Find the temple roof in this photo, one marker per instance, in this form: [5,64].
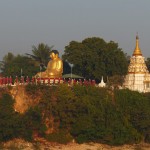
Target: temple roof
[137,61]
[137,51]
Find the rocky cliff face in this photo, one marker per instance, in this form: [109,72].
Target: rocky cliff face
[22,100]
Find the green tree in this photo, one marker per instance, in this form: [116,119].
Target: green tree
[33,123]
[135,108]
[13,67]
[93,58]
[41,53]
[98,119]
[8,118]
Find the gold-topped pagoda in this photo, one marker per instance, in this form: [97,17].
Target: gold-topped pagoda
[138,77]
[137,61]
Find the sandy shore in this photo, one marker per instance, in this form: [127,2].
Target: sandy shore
[23,145]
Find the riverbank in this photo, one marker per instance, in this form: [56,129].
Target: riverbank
[18,144]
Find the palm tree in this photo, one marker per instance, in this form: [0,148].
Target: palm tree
[41,53]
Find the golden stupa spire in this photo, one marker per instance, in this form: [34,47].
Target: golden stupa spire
[137,51]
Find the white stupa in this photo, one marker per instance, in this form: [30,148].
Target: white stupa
[102,83]
[138,77]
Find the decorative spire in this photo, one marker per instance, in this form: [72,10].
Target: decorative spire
[102,83]
[137,51]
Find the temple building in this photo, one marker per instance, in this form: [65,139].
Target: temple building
[138,76]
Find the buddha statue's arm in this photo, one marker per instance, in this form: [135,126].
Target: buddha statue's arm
[49,67]
[59,67]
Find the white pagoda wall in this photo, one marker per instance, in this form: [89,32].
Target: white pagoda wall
[135,82]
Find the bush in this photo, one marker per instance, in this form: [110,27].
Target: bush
[33,122]
[7,118]
[62,137]
[134,107]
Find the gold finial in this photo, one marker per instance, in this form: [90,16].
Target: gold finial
[137,50]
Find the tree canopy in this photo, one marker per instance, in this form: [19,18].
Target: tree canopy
[41,53]
[17,65]
[94,57]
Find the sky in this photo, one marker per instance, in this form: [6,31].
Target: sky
[24,23]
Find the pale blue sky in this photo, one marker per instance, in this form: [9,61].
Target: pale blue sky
[24,23]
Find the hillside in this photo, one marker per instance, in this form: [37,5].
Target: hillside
[62,114]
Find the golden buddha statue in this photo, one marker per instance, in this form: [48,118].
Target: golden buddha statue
[54,67]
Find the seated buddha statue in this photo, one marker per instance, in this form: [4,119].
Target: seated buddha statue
[54,68]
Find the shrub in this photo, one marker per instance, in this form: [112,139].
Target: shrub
[62,137]
[7,118]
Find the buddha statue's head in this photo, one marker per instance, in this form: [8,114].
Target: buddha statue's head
[54,54]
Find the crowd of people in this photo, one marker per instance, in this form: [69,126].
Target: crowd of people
[4,81]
